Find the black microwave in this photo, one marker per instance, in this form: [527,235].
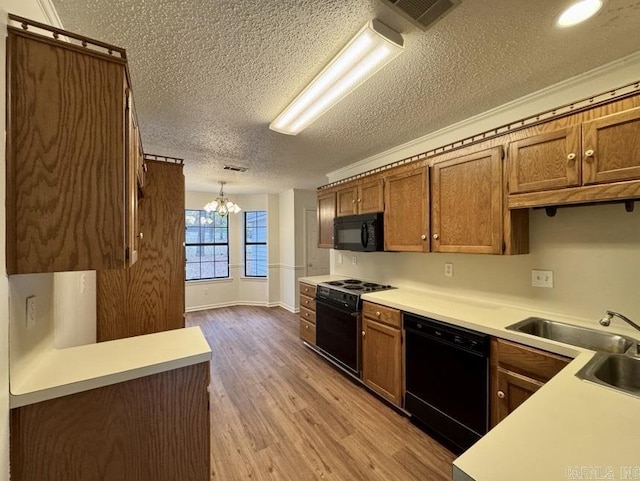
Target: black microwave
[362,233]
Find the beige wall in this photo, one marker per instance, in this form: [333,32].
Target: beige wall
[593,251]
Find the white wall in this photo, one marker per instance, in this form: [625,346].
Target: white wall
[594,251]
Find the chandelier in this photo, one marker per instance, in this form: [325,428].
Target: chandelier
[222,205]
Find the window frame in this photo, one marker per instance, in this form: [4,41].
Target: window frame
[202,213]
[255,243]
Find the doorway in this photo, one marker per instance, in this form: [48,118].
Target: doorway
[316,260]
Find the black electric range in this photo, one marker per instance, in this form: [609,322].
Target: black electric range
[338,321]
[346,293]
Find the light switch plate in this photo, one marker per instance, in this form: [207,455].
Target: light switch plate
[354,260]
[541,278]
[31,312]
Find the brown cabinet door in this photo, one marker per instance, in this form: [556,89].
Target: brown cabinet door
[611,148]
[382,359]
[513,390]
[132,150]
[370,196]
[326,214]
[347,201]
[546,161]
[406,211]
[66,158]
[466,210]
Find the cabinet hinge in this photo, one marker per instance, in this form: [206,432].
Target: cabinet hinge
[503,153]
[126,255]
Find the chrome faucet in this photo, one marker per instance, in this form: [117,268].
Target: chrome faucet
[605,321]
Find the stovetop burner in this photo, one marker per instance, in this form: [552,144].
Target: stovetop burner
[354,288]
[352,281]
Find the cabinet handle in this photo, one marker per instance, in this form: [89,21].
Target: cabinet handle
[571,156]
[353,201]
[306,327]
[501,394]
[306,314]
[435,236]
[589,153]
[363,333]
[378,313]
[423,236]
[359,200]
[140,235]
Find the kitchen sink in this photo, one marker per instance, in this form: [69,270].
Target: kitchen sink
[618,371]
[575,335]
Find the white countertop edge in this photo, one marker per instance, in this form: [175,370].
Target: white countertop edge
[61,372]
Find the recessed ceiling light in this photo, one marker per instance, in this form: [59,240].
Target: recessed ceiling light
[579,12]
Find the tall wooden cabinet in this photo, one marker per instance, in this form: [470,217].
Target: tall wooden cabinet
[71,183]
[466,205]
[382,351]
[149,296]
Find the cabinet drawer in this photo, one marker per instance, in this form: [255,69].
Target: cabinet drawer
[307,290]
[386,315]
[307,302]
[307,332]
[308,315]
[536,364]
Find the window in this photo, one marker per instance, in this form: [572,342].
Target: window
[207,245]
[255,243]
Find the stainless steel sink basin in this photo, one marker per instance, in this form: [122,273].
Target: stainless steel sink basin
[575,335]
[614,370]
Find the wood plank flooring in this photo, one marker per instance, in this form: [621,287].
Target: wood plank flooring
[280,412]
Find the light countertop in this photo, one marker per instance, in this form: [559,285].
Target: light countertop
[567,427]
[315,280]
[61,372]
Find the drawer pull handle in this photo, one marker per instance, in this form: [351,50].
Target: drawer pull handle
[501,394]
[378,313]
[306,327]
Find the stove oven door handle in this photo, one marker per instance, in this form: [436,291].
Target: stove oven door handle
[364,234]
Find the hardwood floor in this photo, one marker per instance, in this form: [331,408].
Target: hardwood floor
[280,412]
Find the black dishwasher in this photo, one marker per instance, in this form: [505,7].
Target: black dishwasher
[447,379]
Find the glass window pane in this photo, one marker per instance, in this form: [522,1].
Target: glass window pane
[261,218]
[261,234]
[221,235]
[193,271]
[207,235]
[192,253]
[191,217]
[221,269]
[222,254]
[207,270]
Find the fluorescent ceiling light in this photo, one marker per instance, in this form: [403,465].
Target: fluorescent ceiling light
[579,12]
[372,48]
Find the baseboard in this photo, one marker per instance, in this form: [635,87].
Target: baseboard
[242,303]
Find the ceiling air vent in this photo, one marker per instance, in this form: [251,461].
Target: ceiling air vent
[235,168]
[422,13]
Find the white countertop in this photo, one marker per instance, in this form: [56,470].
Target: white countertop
[315,280]
[567,425]
[60,372]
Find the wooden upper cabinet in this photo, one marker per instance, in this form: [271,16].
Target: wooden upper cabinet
[360,198]
[550,160]
[347,201]
[466,210]
[406,211]
[611,148]
[70,199]
[370,196]
[326,214]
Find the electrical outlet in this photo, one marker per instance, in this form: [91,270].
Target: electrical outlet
[448,269]
[206,291]
[340,259]
[83,283]
[354,260]
[541,278]
[31,312]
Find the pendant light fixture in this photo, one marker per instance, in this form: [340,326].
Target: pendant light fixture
[374,46]
[222,205]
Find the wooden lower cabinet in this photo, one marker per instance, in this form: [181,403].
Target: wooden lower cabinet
[151,428]
[517,372]
[308,313]
[382,353]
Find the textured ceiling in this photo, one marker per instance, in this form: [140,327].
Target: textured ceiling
[209,75]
